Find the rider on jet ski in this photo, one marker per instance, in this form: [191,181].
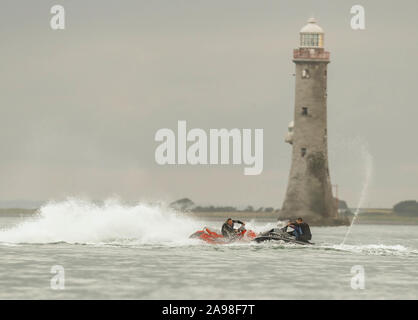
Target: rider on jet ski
[228,230]
[301,230]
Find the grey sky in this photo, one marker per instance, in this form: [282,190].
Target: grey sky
[80,107]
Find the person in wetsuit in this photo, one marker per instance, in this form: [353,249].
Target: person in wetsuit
[228,230]
[301,230]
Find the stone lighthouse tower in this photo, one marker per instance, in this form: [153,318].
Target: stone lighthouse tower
[309,191]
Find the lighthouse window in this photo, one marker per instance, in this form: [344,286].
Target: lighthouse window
[305,74]
[303,152]
[304,111]
[310,40]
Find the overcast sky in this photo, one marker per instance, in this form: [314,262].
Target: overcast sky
[80,106]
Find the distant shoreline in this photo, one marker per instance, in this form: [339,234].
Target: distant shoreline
[16,211]
[367,216]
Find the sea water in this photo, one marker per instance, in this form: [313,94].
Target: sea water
[117,251]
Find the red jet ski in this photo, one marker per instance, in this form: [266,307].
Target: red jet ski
[212,237]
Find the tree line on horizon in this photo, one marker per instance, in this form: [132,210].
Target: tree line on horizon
[186,204]
[402,208]
[407,208]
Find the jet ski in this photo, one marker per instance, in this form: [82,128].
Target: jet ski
[212,237]
[277,234]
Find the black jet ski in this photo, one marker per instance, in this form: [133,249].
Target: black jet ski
[277,234]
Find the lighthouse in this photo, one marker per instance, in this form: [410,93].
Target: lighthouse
[309,190]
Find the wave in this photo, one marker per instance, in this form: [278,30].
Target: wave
[374,249]
[78,221]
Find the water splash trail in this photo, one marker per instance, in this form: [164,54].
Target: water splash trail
[80,221]
[368,167]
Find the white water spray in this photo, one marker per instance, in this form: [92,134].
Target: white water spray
[78,221]
[368,171]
